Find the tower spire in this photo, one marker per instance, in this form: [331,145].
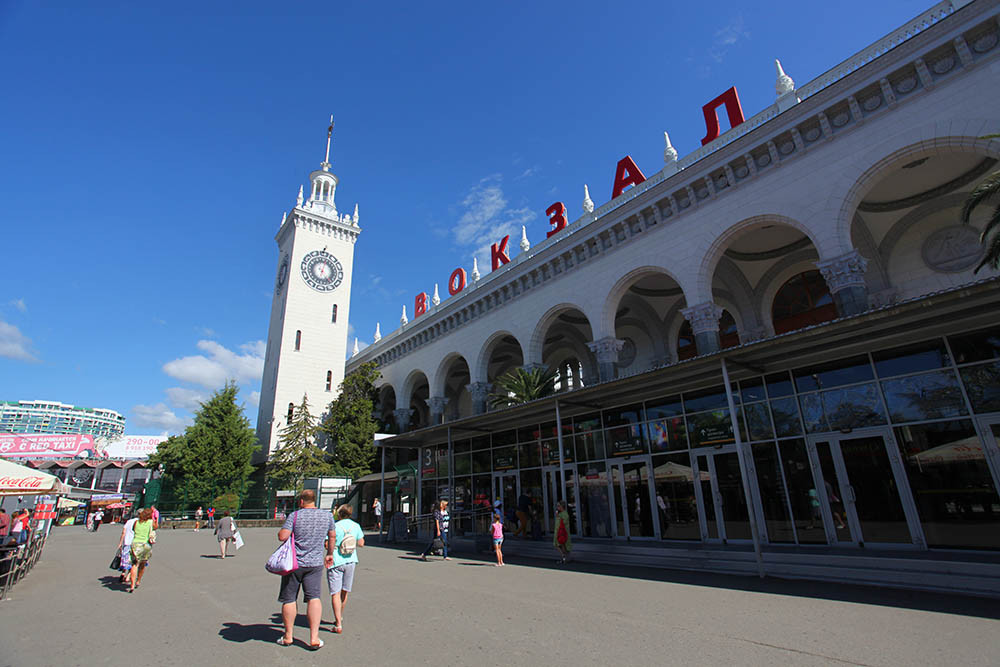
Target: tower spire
[329,134]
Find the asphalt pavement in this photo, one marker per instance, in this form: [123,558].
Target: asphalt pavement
[195,609]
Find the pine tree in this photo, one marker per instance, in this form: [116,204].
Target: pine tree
[349,424]
[213,455]
[297,457]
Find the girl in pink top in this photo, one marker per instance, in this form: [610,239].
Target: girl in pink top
[498,538]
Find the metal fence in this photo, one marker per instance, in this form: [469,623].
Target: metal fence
[16,561]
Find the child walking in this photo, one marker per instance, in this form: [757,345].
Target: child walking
[498,538]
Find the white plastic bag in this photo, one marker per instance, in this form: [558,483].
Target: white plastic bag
[284,560]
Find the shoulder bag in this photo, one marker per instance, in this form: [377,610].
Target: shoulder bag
[284,560]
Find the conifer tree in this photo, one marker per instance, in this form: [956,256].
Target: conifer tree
[297,457]
[349,425]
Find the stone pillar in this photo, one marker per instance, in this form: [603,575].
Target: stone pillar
[704,319]
[845,276]
[437,404]
[402,417]
[606,351]
[479,392]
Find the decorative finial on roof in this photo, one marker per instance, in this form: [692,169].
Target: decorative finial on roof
[378,331]
[669,152]
[588,203]
[436,299]
[784,84]
[329,134]
[300,198]
[475,269]
[404,319]
[284,215]
[524,240]
[356,349]
[355,214]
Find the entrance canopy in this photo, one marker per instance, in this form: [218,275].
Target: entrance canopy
[18,480]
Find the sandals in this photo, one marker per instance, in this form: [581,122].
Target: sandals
[282,642]
[338,629]
[316,647]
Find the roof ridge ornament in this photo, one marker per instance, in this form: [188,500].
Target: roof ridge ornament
[300,198]
[436,299]
[784,84]
[378,331]
[588,203]
[403,319]
[475,269]
[525,245]
[355,218]
[356,350]
[669,152]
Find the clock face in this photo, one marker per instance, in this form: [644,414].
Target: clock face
[322,271]
[282,273]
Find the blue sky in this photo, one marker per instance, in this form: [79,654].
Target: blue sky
[150,149]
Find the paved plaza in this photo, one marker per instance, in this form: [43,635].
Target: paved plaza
[194,609]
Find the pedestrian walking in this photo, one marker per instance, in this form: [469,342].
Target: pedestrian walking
[197,518]
[377,509]
[226,532]
[561,539]
[156,516]
[98,517]
[439,539]
[350,537]
[498,538]
[143,539]
[19,527]
[4,525]
[211,517]
[125,549]
[310,527]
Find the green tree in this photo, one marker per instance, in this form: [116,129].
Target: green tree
[213,455]
[987,191]
[349,425]
[297,457]
[520,386]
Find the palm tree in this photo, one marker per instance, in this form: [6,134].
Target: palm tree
[520,386]
[990,237]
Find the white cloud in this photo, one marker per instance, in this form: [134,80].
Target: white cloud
[158,416]
[185,399]
[254,398]
[726,36]
[14,344]
[19,304]
[220,365]
[487,218]
[205,331]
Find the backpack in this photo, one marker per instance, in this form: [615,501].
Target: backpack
[348,544]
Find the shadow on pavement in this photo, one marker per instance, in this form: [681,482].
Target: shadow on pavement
[255,632]
[946,603]
[112,583]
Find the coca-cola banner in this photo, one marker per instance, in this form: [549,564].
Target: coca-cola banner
[46,446]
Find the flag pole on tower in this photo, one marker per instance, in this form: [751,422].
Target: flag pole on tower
[329,134]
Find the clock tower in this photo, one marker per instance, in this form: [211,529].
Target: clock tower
[307,335]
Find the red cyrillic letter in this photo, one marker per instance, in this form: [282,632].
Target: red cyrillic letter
[733,109]
[420,305]
[456,283]
[627,174]
[557,218]
[499,256]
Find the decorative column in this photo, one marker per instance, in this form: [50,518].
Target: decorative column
[479,392]
[437,404]
[402,417]
[606,350]
[704,319]
[845,276]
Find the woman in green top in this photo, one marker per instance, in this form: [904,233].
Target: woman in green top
[141,549]
[561,539]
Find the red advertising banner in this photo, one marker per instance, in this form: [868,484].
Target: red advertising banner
[45,446]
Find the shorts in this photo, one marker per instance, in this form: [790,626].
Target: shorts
[497,541]
[310,579]
[340,578]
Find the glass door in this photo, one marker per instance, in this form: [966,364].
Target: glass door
[595,500]
[505,489]
[857,493]
[633,498]
[550,496]
[722,497]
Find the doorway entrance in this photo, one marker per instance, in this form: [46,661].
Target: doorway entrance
[506,489]
[725,517]
[857,493]
[633,497]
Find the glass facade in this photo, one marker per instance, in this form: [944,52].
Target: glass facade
[893,447]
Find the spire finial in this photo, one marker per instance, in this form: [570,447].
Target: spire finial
[329,134]
[404,319]
[784,84]
[524,240]
[588,203]
[283,217]
[669,152]
[355,351]
[378,331]
[300,198]
[436,299]
[355,214]
[475,269]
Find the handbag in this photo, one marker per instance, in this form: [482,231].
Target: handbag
[116,562]
[437,544]
[284,560]
[561,535]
